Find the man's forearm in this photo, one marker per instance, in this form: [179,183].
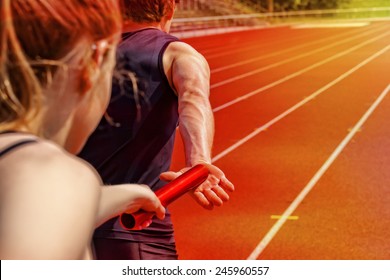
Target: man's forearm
[196,128]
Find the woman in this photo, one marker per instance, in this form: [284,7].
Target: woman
[56,62]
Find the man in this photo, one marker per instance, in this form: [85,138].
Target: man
[160,82]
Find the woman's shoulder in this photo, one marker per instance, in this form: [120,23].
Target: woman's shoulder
[45,160]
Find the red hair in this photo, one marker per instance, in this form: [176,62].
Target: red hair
[44,30]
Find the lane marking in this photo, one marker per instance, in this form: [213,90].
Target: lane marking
[297,106]
[272,54]
[285,61]
[213,52]
[331,25]
[277,226]
[278,217]
[350,129]
[296,74]
[231,49]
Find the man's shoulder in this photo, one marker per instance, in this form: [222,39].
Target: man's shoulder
[181,49]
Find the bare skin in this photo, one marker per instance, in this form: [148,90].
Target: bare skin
[189,76]
[51,201]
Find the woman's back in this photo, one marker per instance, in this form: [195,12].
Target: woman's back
[43,190]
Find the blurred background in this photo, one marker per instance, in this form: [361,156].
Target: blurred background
[204,15]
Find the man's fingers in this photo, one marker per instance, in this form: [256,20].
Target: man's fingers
[221,193]
[226,184]
[202,200]
[213,197]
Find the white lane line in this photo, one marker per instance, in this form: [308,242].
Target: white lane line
[276,53]
[285,61]
[304,54]
[330,25]
[234,49]
[277,226]
[298,105]
[296,74]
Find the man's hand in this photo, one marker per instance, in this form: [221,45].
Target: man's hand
[212,192]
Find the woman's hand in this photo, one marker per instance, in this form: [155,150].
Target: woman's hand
[128,198]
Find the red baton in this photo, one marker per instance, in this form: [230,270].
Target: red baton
[167,194]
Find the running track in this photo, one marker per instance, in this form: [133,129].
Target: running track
[302,130]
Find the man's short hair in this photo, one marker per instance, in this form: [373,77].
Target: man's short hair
[144,11]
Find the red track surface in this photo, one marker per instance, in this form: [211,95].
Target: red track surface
[308,90]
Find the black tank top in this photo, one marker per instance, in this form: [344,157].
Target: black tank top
[134,143]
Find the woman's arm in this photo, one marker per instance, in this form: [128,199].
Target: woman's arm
[127,198]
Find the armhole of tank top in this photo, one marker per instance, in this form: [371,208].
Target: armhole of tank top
[161,63]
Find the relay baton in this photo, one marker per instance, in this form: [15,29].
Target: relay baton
[167,194]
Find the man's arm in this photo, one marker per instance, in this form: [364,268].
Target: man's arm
[191,80]
[189,75]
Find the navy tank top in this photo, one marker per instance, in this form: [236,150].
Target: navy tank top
[134,141]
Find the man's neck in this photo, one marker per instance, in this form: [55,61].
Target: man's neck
[131,26]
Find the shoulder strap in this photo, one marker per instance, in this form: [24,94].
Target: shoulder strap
[16,145]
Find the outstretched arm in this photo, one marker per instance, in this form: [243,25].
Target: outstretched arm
[189,75]
[128,198]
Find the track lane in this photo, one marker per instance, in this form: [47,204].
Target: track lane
[345,215]
[231,232]
[292,56]
[309,187]
[267,105]
[282,73]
